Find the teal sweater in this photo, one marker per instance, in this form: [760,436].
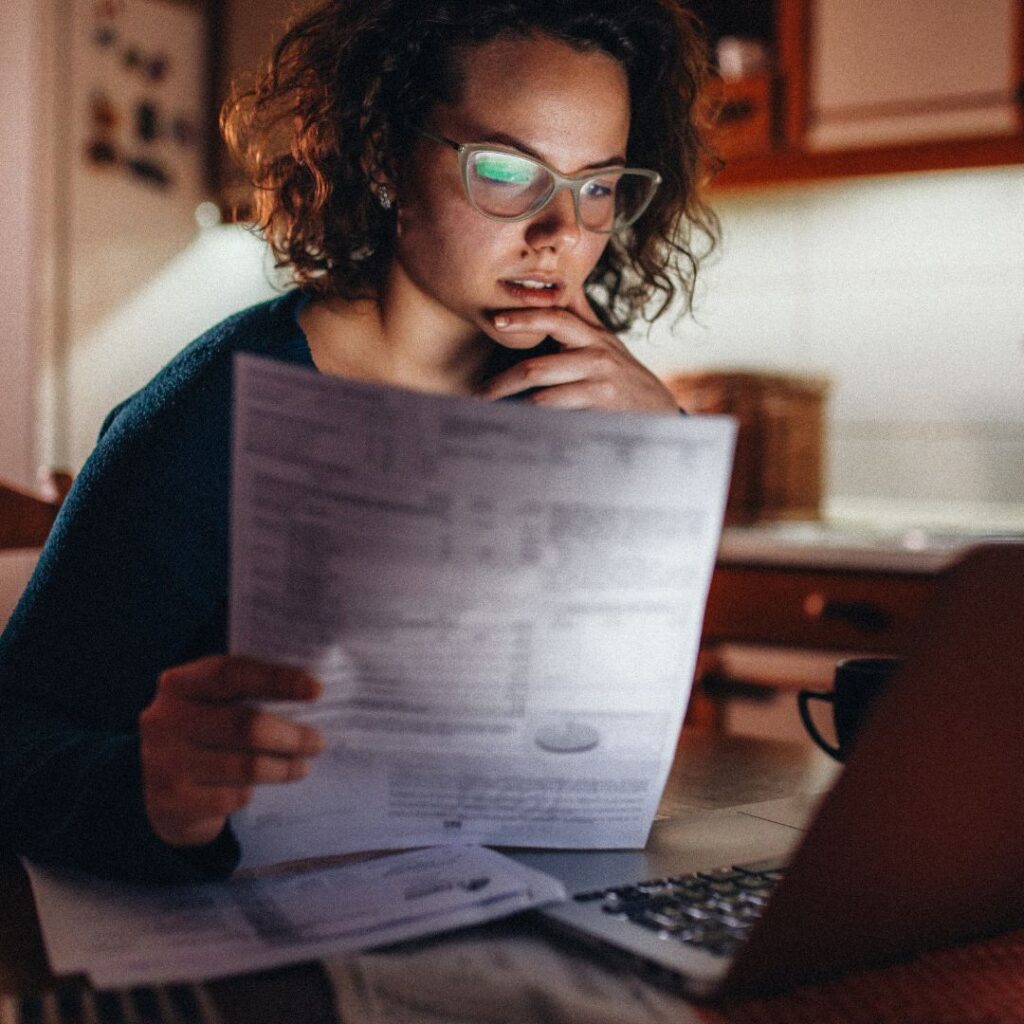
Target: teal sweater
[133,579]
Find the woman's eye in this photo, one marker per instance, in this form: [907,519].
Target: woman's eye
[503,171]
[599,190]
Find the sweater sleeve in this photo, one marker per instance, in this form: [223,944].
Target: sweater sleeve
[133,579]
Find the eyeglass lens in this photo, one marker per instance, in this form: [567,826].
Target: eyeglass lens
[505,185]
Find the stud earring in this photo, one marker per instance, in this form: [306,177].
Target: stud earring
[384,197]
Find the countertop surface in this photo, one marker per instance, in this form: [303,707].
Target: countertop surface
[873,537]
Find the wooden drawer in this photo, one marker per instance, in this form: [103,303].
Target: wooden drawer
[855,610]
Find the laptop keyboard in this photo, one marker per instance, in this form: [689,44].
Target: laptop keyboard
[170,1004]
[712,910]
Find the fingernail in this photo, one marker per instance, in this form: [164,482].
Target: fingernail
[313,743]
[501,321]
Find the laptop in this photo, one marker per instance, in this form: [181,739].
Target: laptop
[918,845]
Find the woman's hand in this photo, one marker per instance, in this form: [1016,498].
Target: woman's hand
[594,370]
[205,744]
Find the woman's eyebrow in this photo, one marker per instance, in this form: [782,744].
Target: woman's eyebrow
[510,140]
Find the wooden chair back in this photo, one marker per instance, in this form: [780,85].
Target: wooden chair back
[26,518]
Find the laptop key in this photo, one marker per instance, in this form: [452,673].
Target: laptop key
[626,892]
[689,891]
[690,881]
[657,885]
[756,899]
[184,1003]
[108,1007]
[69,1006]
[761,867]
[727,947]
[719,874]
[723,888]
[735,924]
[146,1005]
[746,912]
[755,883]
[711,934]
[660,922]
[31,1010]
[623,903]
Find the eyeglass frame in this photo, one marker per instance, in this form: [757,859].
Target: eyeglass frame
[573,182]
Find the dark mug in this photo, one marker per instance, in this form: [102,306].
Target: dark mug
[857,685]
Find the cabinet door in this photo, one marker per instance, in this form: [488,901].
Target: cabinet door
[814,608]
[886,73]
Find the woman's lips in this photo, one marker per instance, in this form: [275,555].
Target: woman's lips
[527,296]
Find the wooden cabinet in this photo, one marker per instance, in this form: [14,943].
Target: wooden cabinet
[874,87]
[814,608]
[777,627]
[887,74]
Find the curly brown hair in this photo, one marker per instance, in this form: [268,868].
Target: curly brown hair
[349,85]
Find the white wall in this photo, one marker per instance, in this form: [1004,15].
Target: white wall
[20,72]
[142,278]
[908,292]
[120,232]
[217,271]
[23,319]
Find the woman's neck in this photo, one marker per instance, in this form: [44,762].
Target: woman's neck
[405,339]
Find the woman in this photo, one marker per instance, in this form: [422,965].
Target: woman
[472,195]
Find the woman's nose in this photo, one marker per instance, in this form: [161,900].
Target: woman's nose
[556,226]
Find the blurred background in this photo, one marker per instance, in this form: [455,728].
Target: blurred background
[872,260]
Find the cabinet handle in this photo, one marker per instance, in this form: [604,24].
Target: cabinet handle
[735,111]
[863,615]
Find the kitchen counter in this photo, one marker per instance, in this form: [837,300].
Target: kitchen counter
[873,536]
[789,599]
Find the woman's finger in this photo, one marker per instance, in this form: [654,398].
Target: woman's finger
[241,728]
[541,372]
[222,768]
[184,802]
[172,724]
[561,324]
[585,394]
[222,678]
[186,815]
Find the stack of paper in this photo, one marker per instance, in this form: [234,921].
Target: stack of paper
[122,935]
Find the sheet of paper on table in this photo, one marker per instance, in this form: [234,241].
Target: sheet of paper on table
[504,603]
[122,935]
[498,977]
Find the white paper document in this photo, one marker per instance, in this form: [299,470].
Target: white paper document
[497,977]
[503,601]
[122,935]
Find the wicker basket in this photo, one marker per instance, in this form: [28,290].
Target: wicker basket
[779,466]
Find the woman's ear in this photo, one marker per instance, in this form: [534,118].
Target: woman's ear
[381,186]
[380,183]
